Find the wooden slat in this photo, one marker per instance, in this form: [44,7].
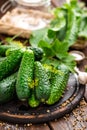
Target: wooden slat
[38,127]
[77,120]
[6,126]
[60,124]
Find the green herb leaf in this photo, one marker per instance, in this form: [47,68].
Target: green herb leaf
[62,33]
[51,61]
[83,26]
[39,35]
[59,48]
[47,48]
[59,21]
[72,28]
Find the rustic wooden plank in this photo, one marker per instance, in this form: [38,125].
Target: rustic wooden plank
[60,124]
[38,127]
[77,120]
[6,126]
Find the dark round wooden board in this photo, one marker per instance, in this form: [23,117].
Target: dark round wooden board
[19,112]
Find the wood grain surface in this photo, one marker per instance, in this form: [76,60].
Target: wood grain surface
[77,120]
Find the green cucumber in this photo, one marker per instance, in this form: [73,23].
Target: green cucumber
[33,101]
[38,52]
[42,83]
[7,88]
[58,84]
[10,50]
[48,69]
[10,63]
[25,76]
[11,45]
[3,49]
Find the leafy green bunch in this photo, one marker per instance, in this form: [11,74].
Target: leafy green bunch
[83,26]
[61,34]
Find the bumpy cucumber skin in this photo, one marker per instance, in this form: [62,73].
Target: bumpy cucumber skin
[11,50]
[48,69]
[8,65]
[58,84]
[42,83]
[7,88]
[38,52]
[25,76]
[3,49]
[33,101]
[11,45]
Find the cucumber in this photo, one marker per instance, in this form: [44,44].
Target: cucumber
[3,49]
[10,63]
[10,50]
[11,45]
[42,83]
[7,88]
[58,84]
[33,101]
[48,69]
[25,76]
[38,52]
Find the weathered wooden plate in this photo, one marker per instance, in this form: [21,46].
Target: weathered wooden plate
[19,112]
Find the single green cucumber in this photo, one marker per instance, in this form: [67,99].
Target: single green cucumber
[38,52]
[12,44]
[3,49]
[42,83]
[10,50]
[58,84]
[48,69]
[10,63]
[25,76]
[7,88]
[33,101]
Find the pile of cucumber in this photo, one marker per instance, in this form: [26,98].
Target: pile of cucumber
[22,75]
